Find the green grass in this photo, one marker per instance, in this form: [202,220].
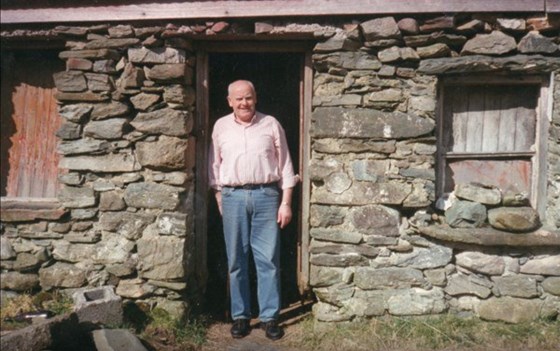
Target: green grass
[445,332]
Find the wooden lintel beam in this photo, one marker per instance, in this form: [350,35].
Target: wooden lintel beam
[262,8]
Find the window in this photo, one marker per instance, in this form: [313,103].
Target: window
[29,121]
[491,131]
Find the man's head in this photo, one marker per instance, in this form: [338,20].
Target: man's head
[242,98]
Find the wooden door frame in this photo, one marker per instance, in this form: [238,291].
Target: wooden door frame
[202,136]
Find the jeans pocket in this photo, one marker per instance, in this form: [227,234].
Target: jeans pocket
[271,191]
[226,191]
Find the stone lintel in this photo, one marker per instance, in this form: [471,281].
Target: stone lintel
[26,211]
[492,237]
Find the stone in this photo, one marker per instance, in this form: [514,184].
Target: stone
[547,265]
[481,263]
[338,122]
[165,121]
[156,55]
[433,38]
[26,262]
[551,285]
[437,277]
[172,72]
[63,250]
[109,110]
[69,131]
[90,54]
[339,146]
[152,195]
[438,23]
[134,288]
[83,146]
[87,96]
[511,24]
[339,260]
[417,301]
[434,50]
[121,31]
[173,224]
[166,152]
[74,197]
[99,305]
[129,225]
[324,276]
[161,257]
[424,258]
[376,219]
[364,193]
[472,26]
[18,281]
[515,219]
[336,294]
[114,248]
[98,82]
[408,26]
[495,43]
[509,309]
[116,340]
[76,113]
[110,163]
[325,216]
[335,235]
[398,54]
[105,66]
[516,286]
[70,81]
[337,43]
[465,214]
[117,43]
[324,312]
[535,43]
[144,101]
[368,278]
[380,28]
[482,63]
[110,129]
[461,284]
[132,77]
[62,275]
[6,250]
[112,200]
[513,199]
[475,192]
[338,182]
[179,95]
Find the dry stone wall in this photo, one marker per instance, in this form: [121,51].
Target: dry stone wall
[378,242]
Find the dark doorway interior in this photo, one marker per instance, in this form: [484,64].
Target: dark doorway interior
[276,77]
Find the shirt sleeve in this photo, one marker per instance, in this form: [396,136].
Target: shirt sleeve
[287,177]
[214,163]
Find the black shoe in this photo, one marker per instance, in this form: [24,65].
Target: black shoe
[240,328]
[272,329]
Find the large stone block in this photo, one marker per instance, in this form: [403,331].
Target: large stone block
[417,302]
[376,219]
[130,225]
[62,275]
[515,219]
[19,281]
[166,152]
[481,263]
[364,193]
[76,197]
[543,265]
[156,55]
[368,278]
[161,257]
[509,309]
[165,121]
[98,306]
[338,122]
[111,163]
[152,195]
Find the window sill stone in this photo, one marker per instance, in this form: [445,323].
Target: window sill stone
[491,237]
[26,210]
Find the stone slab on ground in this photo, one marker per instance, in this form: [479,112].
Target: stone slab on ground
[117,340]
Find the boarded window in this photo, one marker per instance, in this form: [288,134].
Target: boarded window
[489,133]
[29,122]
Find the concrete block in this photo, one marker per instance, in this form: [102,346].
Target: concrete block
[98,306]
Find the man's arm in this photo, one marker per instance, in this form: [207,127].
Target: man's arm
[285,209]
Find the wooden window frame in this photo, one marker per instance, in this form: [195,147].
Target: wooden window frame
[43,206]
[537,157]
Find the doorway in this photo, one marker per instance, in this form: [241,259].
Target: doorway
[277,78]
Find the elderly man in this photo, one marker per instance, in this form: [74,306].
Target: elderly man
[252,176]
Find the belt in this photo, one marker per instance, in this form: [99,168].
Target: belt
[253,186]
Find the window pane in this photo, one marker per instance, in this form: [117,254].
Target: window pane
[29,123]
[508,175]
[490,118]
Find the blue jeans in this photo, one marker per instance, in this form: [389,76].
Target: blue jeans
[250,223]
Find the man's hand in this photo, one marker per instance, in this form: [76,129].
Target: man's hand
[218,195]
[284,215]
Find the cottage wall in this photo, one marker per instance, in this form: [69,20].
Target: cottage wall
[378,243]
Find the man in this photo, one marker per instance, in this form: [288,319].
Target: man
[252,176]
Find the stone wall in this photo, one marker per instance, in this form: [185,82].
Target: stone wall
[378,243]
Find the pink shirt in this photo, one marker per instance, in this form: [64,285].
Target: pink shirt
[256,153]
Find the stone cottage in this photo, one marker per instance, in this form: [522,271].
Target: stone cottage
[427,136]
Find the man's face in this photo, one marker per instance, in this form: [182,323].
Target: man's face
[242,99]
